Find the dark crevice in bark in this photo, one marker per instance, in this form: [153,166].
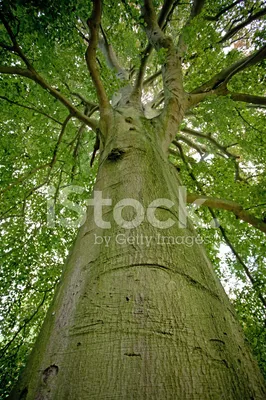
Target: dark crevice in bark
[188,278]
[132,355]
[115,154]
[49,372]
[164,333]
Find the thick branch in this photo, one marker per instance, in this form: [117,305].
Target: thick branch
[171,70]
[248,98]
[196,8]
[243,24]
[229,206]
[226,74]
[258,101]
[111,58]
[94,25]
[222,11]
[31,73]
[16,71]
[166,11]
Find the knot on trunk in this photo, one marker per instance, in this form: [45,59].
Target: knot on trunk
[116,154]
[49,372]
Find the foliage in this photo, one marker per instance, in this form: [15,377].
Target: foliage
[220,150]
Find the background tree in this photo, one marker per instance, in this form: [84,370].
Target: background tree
[52,98]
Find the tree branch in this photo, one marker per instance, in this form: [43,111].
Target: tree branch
[60,137]
[111,58]
[167,9]
[210,139]
[197,8]
[76,150]
[16,71]
[171,71]
[94,24]
[226,74]
[86,102]
[152,78]
[16,48]
[248,98]
[141,72]
[222,11]
[242,25]
[30,108]
[33,75]
[229,206]
[201,150]
[248,123]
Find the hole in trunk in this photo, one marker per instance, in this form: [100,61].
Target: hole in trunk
[116,154]
[49,372]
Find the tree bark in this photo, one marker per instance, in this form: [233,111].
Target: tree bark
[139,320]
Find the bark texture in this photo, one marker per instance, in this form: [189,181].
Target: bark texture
[132,320]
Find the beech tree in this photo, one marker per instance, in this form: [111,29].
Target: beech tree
[131,108]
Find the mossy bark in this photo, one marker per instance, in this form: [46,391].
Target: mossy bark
[139,318]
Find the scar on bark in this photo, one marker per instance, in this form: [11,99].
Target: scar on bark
[129,120]
[49,372]
[132,354]
[116,154]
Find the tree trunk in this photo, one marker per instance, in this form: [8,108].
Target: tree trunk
[138,316]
